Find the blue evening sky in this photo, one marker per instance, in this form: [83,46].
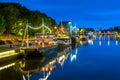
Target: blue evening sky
[87,13]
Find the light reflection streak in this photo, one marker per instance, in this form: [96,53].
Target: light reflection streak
[61,60]
[108,40]
[100,40]
[46,77]
[24,77]
[108,43]
[116,42]
[74,56]
[100,43]
[90,41]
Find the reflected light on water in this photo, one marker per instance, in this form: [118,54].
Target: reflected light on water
[108,43]
[106,39]
[73,56]
[61,60]
[24,77]
[116,42]
[90,42]
[46,77]
[100,43]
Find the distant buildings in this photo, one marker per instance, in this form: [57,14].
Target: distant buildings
[68,27]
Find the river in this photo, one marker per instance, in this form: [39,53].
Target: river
[97,60]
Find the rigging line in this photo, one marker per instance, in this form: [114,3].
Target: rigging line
[34,27]
[39,28]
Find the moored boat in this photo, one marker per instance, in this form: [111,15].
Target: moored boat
[44,43]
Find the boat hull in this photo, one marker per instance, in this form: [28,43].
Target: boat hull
[38,52]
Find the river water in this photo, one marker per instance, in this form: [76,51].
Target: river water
[97,60]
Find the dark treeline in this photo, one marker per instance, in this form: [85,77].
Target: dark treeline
[13,19]
[113,29]
[88,29]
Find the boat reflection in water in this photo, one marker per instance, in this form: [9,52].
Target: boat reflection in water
[10,70]
[83,42]
[42,68]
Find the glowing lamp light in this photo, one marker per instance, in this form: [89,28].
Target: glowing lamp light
[51,69]
[55,27]
[45,36]
[49,63]
[20,24]
[46,69]
[43,69]
[49,43]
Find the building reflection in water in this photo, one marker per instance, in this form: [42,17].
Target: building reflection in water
[73,56]
[100,40]
[74,52]
[106,39]
[90,41]
[116,42]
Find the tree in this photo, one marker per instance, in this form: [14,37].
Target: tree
[10,14]
[14,12]
[2,24]
[19,27]
[82,30]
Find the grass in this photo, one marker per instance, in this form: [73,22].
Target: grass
[4,48]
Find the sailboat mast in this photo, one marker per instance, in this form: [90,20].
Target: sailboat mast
[43,32]
[24,35]
[27,35]
[43,26]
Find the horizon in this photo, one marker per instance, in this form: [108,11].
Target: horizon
[83,13]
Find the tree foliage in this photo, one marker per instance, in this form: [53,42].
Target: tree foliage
[84,30]
[2,24]
[13,14]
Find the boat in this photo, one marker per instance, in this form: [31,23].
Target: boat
[65,41]
[63,37]
[42,44]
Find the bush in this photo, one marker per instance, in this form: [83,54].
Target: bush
[2,42]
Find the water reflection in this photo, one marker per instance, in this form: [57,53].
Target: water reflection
[10,70]
[62,56]
[44,66]
[83,41]
[109,39]
[73,56]
[116,42]
[28,69]
[90,41]
[100,39]
[88,61]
